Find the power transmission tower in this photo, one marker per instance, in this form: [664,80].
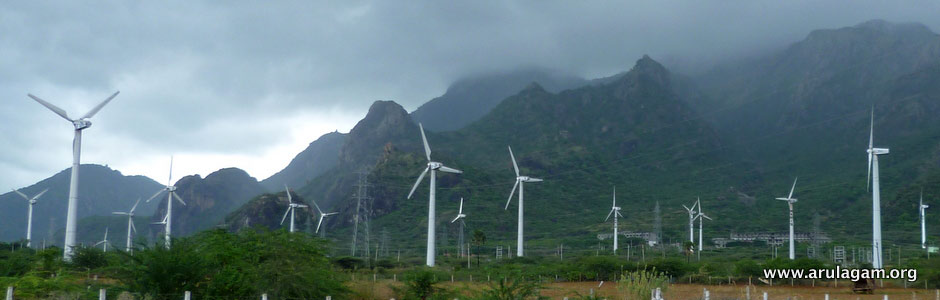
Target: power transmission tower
[362,194]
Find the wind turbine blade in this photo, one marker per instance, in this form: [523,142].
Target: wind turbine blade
[95,110]
[460,211]
[704,216]
[320,222]
[427,149]
[687,208]
[330,214]
[615,197]
[316,206]
[699,203]
[155,195]
[120,213]
[106,234]
[135,206]
[53,108]
[21,195]
[514,186]
[792,188]
[285,215]
[169,181]
[450,170]
[177,197]
[871,145]
[99,243]
[535,179]
[514,165]
[40,194]
[289,199]
[166,218]
[618,213]
[133,228]
[418,182]
[455,219]
[608,215]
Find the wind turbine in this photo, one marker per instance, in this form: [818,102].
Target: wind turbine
[80,124]
[29,215]
[700,216]
[291,207]
[322,215]
[104,241]
[923,221]
[873,153]
[614,211]
[433,167]
[170,190]
[790,200]
[692,217]
[520,183]
[130,223]
[460,216]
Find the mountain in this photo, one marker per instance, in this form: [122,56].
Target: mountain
[208,200]
[634,132]
[102,191]
[320,156]
[268,210]
[469,99]
[804,111]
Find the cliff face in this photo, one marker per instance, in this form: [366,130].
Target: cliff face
[320,156]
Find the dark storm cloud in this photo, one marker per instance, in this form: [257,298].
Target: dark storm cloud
[227,82]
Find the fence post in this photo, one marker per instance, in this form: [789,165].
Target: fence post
[187,295]
[329,297]
[765,295]
[827,297]
[886,297]
[102,294]
[706,294]
[264,296]
[748,292]
[9,293]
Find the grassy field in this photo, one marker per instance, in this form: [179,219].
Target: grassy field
[559,290]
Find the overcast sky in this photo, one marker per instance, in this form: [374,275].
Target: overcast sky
[250,84]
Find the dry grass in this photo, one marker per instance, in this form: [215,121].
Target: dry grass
[559,290]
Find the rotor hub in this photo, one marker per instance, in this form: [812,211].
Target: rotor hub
[523,178]
[434,165]
[171,188]
[81,124]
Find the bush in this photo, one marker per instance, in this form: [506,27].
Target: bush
[640,284]
[88,258]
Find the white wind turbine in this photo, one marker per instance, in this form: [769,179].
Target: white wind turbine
[130,224]
[80,124]
[692,217]
[790,200]
[433,167]
[291,207]
[322,215]
[170,190]
[105,241]
[29,214]
[700,216]
[614,211]
[520,183]
[873,153]
[460,216]
[923,221]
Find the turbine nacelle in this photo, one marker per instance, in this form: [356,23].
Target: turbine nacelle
[81,124]
[878,151]
[528,179]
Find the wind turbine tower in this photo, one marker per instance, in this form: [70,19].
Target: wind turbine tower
[432,167]
[29,214]
[700,216]
[790,200]
[923,221]
[615,212]
[520,183]
[692,217]
[291,208]
[170,190]
[873,154]
[130,224]
[80,124]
